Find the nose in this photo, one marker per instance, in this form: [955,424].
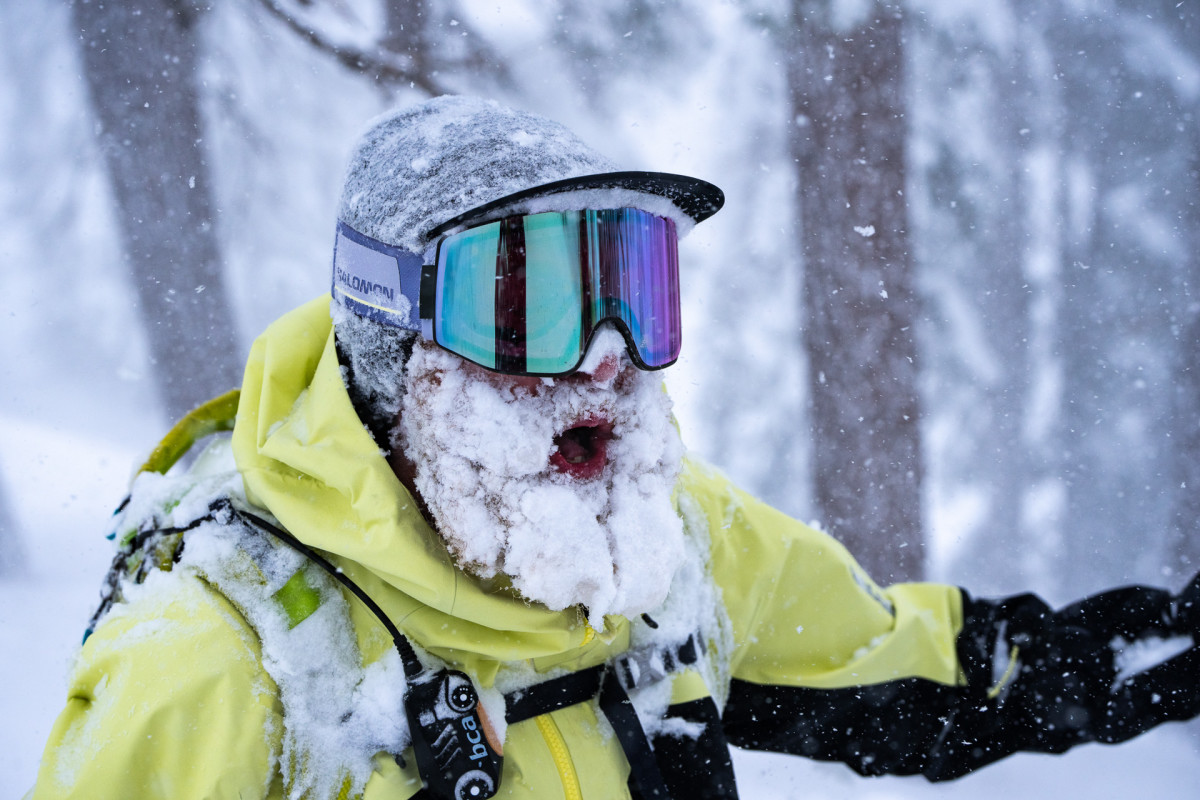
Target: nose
[604,371]
[605,357]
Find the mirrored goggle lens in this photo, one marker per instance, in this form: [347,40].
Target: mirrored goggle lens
[524,294]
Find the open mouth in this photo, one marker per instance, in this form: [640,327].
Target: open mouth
[582,448]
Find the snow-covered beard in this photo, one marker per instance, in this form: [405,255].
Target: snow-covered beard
[482,450]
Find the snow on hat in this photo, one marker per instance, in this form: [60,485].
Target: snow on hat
[421,170]
[423,165]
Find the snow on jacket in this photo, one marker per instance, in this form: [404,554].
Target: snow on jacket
[214,678]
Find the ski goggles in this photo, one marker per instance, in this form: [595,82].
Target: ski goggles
[524,295]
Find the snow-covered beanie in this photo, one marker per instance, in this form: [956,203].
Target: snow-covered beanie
[420,166]
[416,168]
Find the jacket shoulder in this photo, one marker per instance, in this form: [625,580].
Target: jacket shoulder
[168,698]
[804,613]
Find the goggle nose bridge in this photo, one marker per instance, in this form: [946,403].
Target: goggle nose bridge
[622,329]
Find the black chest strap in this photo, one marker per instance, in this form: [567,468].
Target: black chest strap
[543,698]
[608,683]
[631,670]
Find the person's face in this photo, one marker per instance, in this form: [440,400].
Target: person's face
[562,484]
[582,448]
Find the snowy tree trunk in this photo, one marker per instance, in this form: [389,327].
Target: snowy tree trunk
[1186,536]
[846,78]
[140,58]
[1043,494]
[404,32]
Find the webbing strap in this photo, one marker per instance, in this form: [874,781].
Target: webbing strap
[581,686]
[619,710]
[632,669]
[571,689]
[610,682]
[214,416]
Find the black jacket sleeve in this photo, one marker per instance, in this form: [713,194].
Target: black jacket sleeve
[1102,670]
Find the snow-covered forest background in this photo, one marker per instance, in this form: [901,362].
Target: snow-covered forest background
[1047,287]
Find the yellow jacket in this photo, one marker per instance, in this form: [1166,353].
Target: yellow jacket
[170,697]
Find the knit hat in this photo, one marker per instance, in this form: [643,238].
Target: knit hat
[423,169]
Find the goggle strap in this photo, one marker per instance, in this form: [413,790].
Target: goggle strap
[429,273]
[374,279]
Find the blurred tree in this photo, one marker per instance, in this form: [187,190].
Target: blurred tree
[846,73]
[140,58]
[1186,515]
[1185,539]
[609,43]
[421,43]
[1052,143]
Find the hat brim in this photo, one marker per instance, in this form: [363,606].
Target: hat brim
[696,198]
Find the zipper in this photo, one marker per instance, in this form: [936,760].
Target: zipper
[562,757]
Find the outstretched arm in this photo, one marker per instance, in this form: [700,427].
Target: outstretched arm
[923,678]
[1104,669]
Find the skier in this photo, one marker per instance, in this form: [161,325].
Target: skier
[453,546]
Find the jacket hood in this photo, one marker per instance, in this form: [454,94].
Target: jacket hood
[306,457]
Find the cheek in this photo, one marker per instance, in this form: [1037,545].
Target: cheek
[404,468]
[532,385]
[500,381]
[626,378]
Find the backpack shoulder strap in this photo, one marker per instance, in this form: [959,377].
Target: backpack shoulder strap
[214,416]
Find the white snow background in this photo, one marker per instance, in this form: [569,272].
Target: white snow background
[77,407]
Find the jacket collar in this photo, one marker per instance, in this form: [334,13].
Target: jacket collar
[307,459]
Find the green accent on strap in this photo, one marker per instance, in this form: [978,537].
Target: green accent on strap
[298,599]
[212,417]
